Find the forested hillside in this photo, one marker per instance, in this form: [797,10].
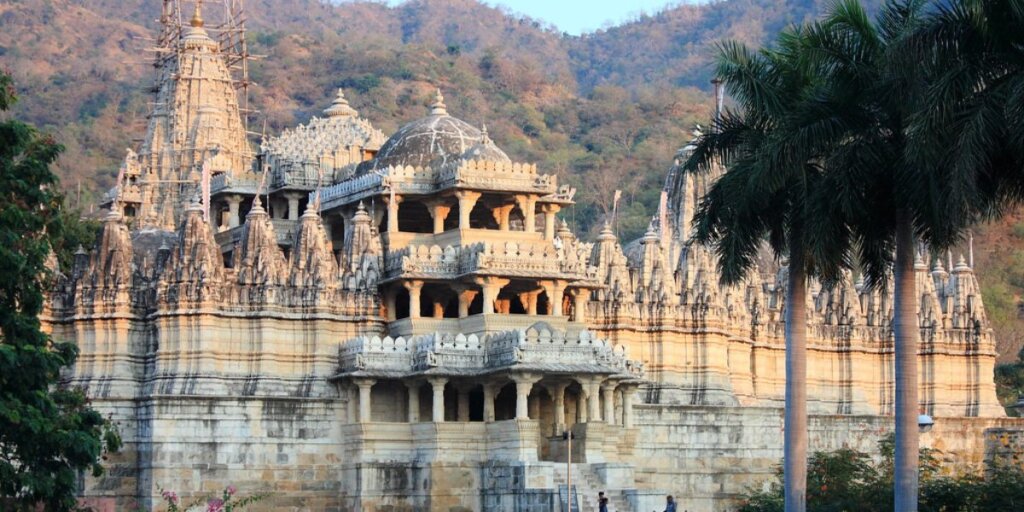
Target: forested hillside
[606,110]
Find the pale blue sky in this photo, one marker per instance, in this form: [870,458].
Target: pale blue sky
[578,16]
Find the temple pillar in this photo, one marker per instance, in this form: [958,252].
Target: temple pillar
[608,395]
[393,202]
[234,202]
[594,400]
[529,301]
[466,295]
[556,292]
[579,304]
[528,205]
[627,406]
[365,386]
[524,384]
[439,210]
[463,404]
[501,216]
[414,287]
[549,211]
[390,303]
[490,286]
[438,309]
[557,391]
[489,390]
[437,386]
[293,205]
[350,407]
[467,200]
[414,400]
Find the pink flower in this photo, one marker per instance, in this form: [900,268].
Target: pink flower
[170,497]
[231,490]
[215,505]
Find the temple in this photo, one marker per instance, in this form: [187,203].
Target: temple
[357,322]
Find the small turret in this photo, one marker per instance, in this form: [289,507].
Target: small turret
[261,261]
[312,261]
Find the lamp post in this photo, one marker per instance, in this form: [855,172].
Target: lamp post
[568,437]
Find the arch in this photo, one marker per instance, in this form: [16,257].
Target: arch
[517,219]
[482,216]
[505,403]
[401,303]
[452,220]
[414,217]
[389,402]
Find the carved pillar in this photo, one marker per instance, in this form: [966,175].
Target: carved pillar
[350,407]
[608,394]
[549,211]
[491,287]
[437,385]
[556,292]
[594,400]
[529,301]
[293,205]
[524,384]
[489,389]
[393,212]
[467,200]
[438,309]
[557,391]
[627,406]
[501,215]
[365,386]
[234,202]
[439,210]
[528,205]
[463,403]
[579,305]
[389,303]
[414,400]
[466,296]
[414,287]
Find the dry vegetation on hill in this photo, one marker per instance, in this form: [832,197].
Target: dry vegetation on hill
[607,110]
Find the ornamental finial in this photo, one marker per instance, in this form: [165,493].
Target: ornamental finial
[197,14]
[438,108]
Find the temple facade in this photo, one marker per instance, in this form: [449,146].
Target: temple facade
[356,322]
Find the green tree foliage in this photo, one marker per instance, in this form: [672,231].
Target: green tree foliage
[847,480]
[48,432]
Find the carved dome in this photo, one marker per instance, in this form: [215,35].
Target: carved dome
[431,141]
[486,150]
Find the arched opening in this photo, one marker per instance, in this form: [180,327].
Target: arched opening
[426,403]
[451,403]
[510,303]
[452,220]
[401,303]
[476,404]
[389,402]
[505,403]
[414,217]
[476,307]
[482,216]
[543,304]
[438,301]
[516,219]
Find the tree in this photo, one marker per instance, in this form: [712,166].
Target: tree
[48,433]
[764,195]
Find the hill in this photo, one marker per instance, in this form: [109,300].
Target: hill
[605,110]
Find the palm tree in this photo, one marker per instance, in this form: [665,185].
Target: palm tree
[763,196]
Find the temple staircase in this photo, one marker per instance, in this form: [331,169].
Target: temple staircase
[587,484]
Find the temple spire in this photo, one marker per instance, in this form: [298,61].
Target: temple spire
[438,108]
[197,15]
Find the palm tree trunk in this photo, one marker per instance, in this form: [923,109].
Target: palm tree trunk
[795,447]
[906,333]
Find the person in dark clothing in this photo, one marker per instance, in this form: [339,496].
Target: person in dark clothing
[670,504]
[602,502]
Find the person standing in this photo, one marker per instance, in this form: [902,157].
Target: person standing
[602,502]
[670,504]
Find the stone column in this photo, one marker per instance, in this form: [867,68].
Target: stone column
[234,202]
[466,296]
[393,213]
[437,385]
[439,210]
[414,287]
[529,300]
[293,205]
[463,404]
[528,205]
[594,400]
[501,215]
[467,200]
[414,400]
[491,287]
[350,407]
[557,391]
[489,390]
[627,406]
[608,394]
[555,291]
[438,309]
[579,305]
[389,304]
[549,211]
[524,384]
[365,386]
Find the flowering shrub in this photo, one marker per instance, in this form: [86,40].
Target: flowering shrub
[228,501]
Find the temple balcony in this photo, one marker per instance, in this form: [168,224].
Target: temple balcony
[478,324]
[399,240]
[227,183]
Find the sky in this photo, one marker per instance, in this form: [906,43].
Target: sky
[580,16]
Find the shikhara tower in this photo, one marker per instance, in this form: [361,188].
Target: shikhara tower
[359,322]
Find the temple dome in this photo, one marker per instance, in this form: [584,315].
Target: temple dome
[486,150]
[431,141]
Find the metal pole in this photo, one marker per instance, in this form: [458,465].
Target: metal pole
[568,472]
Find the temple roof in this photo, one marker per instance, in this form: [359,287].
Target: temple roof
[431,141]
